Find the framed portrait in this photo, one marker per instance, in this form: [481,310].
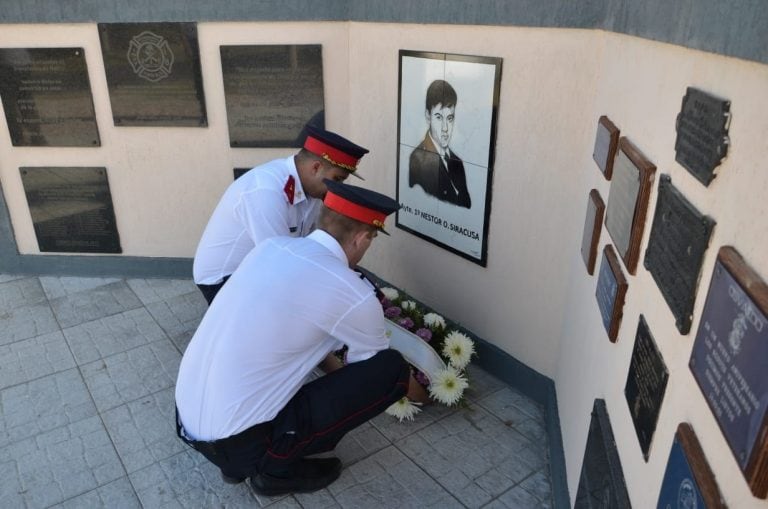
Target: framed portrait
[447,110]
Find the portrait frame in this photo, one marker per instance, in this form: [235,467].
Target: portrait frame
[445,195]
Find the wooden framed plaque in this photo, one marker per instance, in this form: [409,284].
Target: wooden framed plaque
[610,293]
[606,142]
[628,201]
[592,225]
[688,480]
[729,360]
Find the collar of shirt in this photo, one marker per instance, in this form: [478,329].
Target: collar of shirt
[298,193]
[437,146]
[324,238]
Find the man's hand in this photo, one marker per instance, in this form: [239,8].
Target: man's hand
[416,392]
[330,364]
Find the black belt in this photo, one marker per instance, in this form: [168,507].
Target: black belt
[217,448]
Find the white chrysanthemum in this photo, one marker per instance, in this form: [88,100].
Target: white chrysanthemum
[434,321]
[448,386]
[408,305]
[404,409]
[459,349]
[390,293]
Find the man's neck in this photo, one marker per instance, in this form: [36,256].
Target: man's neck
[440,150]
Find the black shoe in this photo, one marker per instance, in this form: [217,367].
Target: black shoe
[308,474]
[231,480]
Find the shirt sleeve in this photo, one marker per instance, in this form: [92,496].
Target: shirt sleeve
[264,214]
[362,330]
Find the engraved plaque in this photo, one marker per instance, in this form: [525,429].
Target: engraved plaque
[729,362]
[679,238]
[272,92]
[47,97]
[592,225]
[611,289]
[646,383]
[71,209]
[606,141]
[688,480]
[153,74]
[702,133]
[601,484]
[628,202]
[239,172]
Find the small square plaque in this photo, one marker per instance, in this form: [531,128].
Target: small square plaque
[71,209]
[628,202]
[610,292]
[729,362]
[679,238]
[606,141]
[592,226]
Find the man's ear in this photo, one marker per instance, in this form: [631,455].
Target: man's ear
[316,167]
[427,116]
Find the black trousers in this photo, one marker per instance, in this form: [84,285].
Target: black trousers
[210,291]
[314,420]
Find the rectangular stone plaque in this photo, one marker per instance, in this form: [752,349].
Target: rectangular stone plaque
[592,225]
[601,484]
[47,97]
[679,238]
[646,384]
[688,480]
[71,209]
[702,133]
[610,292]
[606,141]
[729,362]
[272,92]
[628,201]
[153,74]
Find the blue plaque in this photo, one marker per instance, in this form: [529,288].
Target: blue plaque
[610,292]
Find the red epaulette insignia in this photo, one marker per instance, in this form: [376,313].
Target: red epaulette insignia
[290,188]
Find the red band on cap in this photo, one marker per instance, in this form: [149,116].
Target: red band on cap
[331,154]
[353,210]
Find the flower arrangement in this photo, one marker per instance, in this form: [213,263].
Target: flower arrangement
[447,378]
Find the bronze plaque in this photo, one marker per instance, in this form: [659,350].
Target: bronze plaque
[679,238]
[71,209]
[592,225]
[601,484]
[610,292]
[153,74]
[47,97]
[628,202]
[729,362]
[646,384]
[702,133]
[606,142]
[272,92]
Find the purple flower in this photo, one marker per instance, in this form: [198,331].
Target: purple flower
[424,334]
[421,378]
[385,303]
[405,323]
[392,312]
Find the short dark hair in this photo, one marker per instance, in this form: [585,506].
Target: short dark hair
[340,227]
[440,92]
[305,155]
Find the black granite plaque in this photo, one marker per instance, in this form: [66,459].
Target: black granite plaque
[679,238]
[646,384]
[606,142]
[702,133]
[71,209]
[688,480]
[272,92]
[610,292]
[153,74]
[628,202]
[729,362]
[47,97]
[592,226]
[601,485]
[239,172]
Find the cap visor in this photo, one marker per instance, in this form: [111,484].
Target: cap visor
[354,174]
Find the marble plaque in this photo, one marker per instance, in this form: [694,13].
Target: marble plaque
[679,238]
[628,201]
[646,384]
[153,74]
[592,225]
[272,92]
[610,292]
[702,133]
[601,484]
[606,142]
[71,209]
[688,480]
[47,99]
[729,360]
